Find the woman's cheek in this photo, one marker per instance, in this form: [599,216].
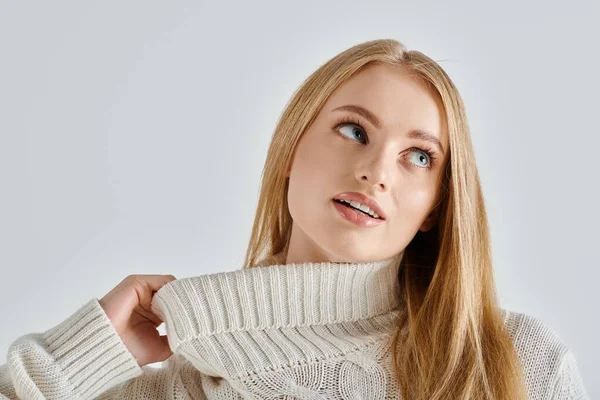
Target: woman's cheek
[421,202]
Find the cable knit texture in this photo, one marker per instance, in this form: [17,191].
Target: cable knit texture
[296,331]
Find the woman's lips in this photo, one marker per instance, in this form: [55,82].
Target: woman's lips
[355,216]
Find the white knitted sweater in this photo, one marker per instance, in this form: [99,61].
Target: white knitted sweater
[296,331]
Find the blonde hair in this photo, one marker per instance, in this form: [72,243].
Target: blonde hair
[455,345]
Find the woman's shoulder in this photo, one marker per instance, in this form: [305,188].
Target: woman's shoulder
[548,362]
[531,332]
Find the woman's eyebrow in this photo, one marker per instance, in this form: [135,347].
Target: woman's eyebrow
[372,118]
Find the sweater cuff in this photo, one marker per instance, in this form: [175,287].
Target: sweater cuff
[90,352]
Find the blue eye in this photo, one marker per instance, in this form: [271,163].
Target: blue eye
[423,157]
[354,131]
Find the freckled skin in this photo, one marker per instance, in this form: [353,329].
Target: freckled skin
[329,161]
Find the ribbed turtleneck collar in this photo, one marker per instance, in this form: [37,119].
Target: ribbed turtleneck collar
[277,295]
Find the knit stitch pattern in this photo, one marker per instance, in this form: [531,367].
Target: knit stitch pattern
[295,331]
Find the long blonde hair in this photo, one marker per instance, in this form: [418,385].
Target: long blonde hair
[455,345]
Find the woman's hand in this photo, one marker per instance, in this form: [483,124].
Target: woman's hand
[127,306]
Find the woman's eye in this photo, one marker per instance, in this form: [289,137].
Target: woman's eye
[353,132]
[422,158]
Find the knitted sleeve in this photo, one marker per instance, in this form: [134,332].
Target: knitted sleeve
[83,357]
[568,384]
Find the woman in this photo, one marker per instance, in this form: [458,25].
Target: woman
[368,273]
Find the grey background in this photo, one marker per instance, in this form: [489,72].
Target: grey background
[133,135]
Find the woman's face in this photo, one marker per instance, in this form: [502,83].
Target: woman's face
[384,160]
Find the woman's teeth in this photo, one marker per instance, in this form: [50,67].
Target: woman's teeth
[360,207]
